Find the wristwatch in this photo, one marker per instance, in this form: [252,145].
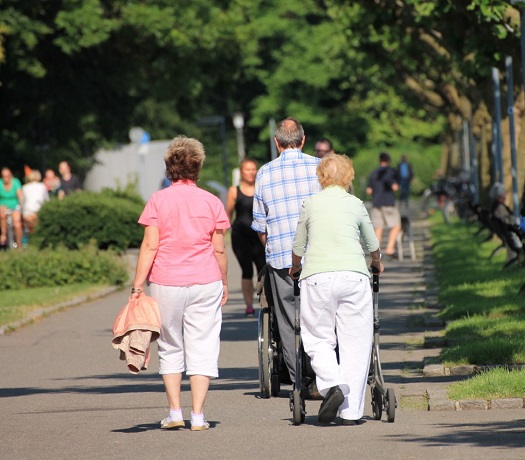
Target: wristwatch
[377,260]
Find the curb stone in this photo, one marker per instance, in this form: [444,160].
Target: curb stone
[439,370]
[435,404]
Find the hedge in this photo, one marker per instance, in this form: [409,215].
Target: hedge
[31,267]
[109,218]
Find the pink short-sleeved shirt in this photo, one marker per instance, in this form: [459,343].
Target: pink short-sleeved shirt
[186,217]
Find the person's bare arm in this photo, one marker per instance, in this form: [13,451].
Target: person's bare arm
[376,261]
[219,251]
[230,202]
[148,251]
[263,237]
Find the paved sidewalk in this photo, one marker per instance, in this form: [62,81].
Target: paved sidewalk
[65,395]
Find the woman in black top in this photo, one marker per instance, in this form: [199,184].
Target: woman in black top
[245,242]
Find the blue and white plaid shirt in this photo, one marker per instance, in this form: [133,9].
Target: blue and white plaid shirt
[281,186]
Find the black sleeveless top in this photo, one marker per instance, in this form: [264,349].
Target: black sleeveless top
[243,211]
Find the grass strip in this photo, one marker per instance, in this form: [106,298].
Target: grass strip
[493,384]
[16,304]
[484,313]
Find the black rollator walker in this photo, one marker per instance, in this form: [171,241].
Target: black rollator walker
[304,374]
[382,398]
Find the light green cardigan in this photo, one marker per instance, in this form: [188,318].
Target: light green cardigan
[329,231]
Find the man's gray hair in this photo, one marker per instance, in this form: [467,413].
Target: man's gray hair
[289,133]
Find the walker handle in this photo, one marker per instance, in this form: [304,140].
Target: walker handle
[296,290]
[375,279]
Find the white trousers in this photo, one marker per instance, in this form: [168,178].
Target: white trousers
[191,318]
[336,308]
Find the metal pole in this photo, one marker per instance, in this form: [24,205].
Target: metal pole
[497,110]
[466,147]
[495,162]
[240,145]
[513,156]
[522,39]
[475,168]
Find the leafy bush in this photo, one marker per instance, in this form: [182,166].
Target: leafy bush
[109,218]
[54,267]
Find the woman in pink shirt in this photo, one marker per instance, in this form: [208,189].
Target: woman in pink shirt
[183,259]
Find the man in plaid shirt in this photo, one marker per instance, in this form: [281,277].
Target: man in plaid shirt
[281,186]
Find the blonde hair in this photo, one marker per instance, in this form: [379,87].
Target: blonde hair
[335,169]
[184,159]
[34,176]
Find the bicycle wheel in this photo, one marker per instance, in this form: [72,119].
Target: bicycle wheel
[429,204]
[450,212]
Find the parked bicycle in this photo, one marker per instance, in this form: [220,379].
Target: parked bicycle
[453,197]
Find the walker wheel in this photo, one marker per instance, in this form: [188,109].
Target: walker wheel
[264,353]
[377,403]
[298,407]
[390,405]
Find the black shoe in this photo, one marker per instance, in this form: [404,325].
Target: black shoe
[393,256]
[329,407]
[347,422]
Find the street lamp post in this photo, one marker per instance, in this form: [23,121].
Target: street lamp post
[238,123]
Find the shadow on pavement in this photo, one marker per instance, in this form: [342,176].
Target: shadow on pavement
[155,426]
[508,434]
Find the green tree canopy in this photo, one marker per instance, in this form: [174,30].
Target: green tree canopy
[77,74]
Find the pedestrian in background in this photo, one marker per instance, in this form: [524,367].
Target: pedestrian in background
[10,199]
[52,183]
[183,259]
[281,186]
[382,185]
[246,244]
[69,182]
[34,194]
[336,299]
[406,174]
[323,147]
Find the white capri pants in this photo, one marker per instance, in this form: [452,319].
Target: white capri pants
[336,307]
[191,319]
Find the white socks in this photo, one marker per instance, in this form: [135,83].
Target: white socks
[197,419]
[175,415]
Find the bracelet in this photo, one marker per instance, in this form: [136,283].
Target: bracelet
[296,266]
[136,291]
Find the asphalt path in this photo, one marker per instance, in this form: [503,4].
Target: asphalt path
[65,395]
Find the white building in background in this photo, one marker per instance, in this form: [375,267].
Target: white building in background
[140,164]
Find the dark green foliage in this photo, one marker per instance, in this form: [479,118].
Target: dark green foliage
[75,75]
[54,267]
[109,218]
